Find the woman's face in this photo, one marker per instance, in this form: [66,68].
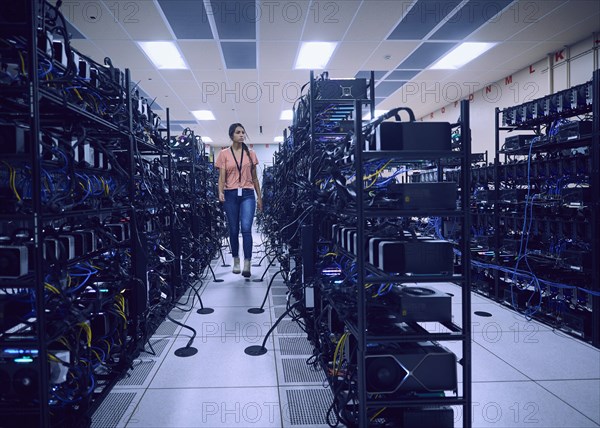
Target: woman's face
[239,135]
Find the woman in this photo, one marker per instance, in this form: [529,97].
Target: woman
[237,182]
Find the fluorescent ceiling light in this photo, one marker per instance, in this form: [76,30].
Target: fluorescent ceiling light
[203,115]
[314,55]
[278,139]
[164,55]
[461,55]
[286,115]
[378,113]
[207,140]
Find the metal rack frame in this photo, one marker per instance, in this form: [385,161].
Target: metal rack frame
[594,154]
[464,334]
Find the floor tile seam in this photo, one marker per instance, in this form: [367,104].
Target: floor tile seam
[497,303]
[193,298]
[280,392]
[499,381]
[191,388]
[501,359]
[571,406]
[227,306]
[502,330]
[295,355]
[162,360]
[548,328]
[209,338]
[187,313]
[565,335]
[574,379]
[134,410]
[144,354]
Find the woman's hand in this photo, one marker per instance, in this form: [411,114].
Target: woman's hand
[221,197]
[259,204]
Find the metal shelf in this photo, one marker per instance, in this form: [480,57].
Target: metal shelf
[25,282]
[365,270]
[379,212]
[550,147]
[421,402]
[86,213]
[590,215]
[58,102]
[412,155]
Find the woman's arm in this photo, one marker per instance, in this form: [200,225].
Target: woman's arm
[222,178]
[257,188]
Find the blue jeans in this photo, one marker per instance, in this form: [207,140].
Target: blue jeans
[240,209]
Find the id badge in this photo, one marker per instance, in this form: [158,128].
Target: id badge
[240,192]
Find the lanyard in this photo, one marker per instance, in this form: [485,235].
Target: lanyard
[238,165]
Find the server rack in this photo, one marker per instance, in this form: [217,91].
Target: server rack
[31,338]
[542,194]
[313,189]
[369,274]
[87,187]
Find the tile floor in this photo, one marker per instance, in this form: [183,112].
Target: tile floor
[524,374]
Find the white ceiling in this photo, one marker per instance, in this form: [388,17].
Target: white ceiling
[525,32]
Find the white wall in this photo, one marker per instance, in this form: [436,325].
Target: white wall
[264,155]
[570,66]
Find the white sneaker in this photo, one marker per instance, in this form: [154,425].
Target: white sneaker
[236,265]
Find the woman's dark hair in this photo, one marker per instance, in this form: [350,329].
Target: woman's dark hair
[232,129]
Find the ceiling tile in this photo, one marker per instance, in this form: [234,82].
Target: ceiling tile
[89,49]
[385,13]
[178,111]
[329,20]
[235,19]
[422,18]
[350,55]
[496,56]
[242,76]
[366,74]
[156,88]
[389,54]
[515,18]
[188,19]
[386,88]
[469,18]
[402,75]
[522,59]
[275,55]
[73,32]
[281,20]
[184,122]
[141,20]
[185,88]
[146,73]
[579,31]
[94,19]
[431,75]
[177,75]
[285,86]
[426,54]
[201,55]
[206,77]
[239,55]
[124,53]
[547,26]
